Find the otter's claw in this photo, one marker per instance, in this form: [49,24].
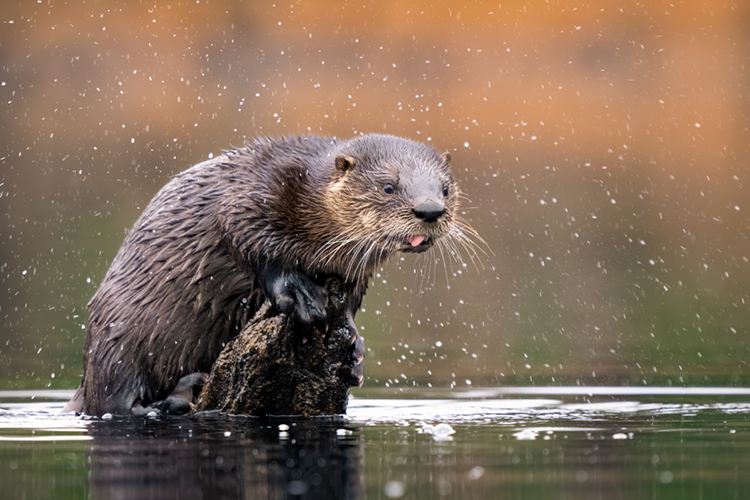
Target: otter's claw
[358,368]
[296,295]
[358,353]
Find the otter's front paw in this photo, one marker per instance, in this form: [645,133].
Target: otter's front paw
[296,295]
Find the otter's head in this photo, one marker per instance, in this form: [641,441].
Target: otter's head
[391,195]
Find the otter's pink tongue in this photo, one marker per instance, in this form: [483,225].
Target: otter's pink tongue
[415,240]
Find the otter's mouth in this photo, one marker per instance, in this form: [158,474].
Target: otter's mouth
[417,243]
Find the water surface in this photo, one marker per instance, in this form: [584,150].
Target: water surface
[563,442]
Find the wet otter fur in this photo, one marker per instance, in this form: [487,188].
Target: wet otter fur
[267,221]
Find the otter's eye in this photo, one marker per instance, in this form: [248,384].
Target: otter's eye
[388,189]
[445,191]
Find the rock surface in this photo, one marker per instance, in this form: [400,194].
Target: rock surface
[269,369]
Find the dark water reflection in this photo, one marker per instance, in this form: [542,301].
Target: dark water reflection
[572,447]
[220,457]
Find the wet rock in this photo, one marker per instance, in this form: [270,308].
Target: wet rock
[269,369]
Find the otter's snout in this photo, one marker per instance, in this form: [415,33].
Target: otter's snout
[429,211]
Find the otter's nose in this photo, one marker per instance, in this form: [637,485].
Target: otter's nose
[429,211]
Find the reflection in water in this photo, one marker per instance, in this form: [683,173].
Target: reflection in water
[220,457]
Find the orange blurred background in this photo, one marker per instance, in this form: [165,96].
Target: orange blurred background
[603,146]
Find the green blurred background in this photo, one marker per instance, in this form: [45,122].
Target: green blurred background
[603,145]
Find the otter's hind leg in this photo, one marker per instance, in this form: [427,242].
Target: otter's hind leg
[182,398]
[190,386]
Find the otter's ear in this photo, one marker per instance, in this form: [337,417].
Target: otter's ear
[344,163]
[447,158]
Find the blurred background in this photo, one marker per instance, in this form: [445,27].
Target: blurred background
[603,146]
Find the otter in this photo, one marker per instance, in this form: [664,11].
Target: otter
[269,221]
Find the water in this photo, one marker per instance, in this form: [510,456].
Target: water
[558,442]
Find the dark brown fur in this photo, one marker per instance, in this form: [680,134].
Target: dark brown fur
[224,234]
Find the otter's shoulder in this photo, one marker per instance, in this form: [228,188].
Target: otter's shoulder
[294,144]
[282,151]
